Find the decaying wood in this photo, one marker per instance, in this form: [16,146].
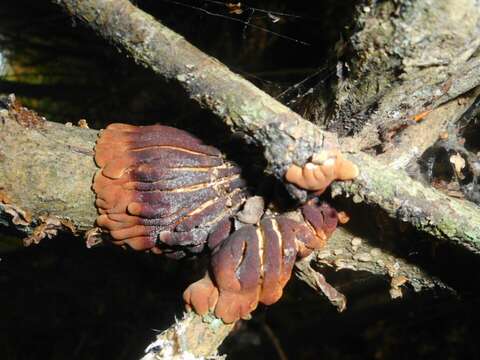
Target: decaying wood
[46,169]
[33,148]
[285,136]
[192,337]
[59,155]
[403,58]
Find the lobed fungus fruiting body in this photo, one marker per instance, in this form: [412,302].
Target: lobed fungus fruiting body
[162,189]
[318,174]
[254,264]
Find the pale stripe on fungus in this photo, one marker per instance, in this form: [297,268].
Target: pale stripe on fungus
[188,151]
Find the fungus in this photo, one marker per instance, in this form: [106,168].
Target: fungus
[254,264]
[318,174]
[162,189]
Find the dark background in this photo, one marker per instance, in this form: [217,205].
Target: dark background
[59,300]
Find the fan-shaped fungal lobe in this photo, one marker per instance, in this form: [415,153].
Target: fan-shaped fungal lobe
[254,263]
[161,188]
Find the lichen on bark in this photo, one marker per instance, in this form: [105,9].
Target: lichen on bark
[47,168]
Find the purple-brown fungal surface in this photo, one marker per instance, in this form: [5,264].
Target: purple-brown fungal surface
[254,264]
[161,189]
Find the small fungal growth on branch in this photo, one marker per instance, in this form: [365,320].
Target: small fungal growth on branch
[162,189]
[254,264]
[324,168]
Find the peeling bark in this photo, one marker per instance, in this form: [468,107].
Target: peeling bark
[404,57]
[347,251]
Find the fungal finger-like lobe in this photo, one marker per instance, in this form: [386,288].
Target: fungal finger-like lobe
[234,306]
[161,188]
[236,266]
[272,256]
[322,171]
[322,217]
[220,233]
[237,262]
[202,295]
[345,169]
[291,233]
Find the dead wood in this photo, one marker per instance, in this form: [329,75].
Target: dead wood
[46,174]
[285,136]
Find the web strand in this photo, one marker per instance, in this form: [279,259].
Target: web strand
[249,24]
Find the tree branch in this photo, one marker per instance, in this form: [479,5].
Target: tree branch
[285,136]
[404,57]
[191,337]
[46,173]
[236,101]
[410,201]
[46,169]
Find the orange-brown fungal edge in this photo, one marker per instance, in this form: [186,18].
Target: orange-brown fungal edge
[321,171]
[202,296]
[343,217]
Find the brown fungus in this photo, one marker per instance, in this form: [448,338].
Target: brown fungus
[254,264]
[162,189]
[324,168]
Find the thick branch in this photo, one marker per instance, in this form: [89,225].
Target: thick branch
[46,172]
[286,137]
[45,169]
[410,201]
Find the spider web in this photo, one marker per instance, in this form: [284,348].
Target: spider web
[244,14]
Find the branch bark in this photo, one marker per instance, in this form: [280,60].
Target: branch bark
[46,170]
[192,337]
[236,101]
[404,57]
[285,136]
